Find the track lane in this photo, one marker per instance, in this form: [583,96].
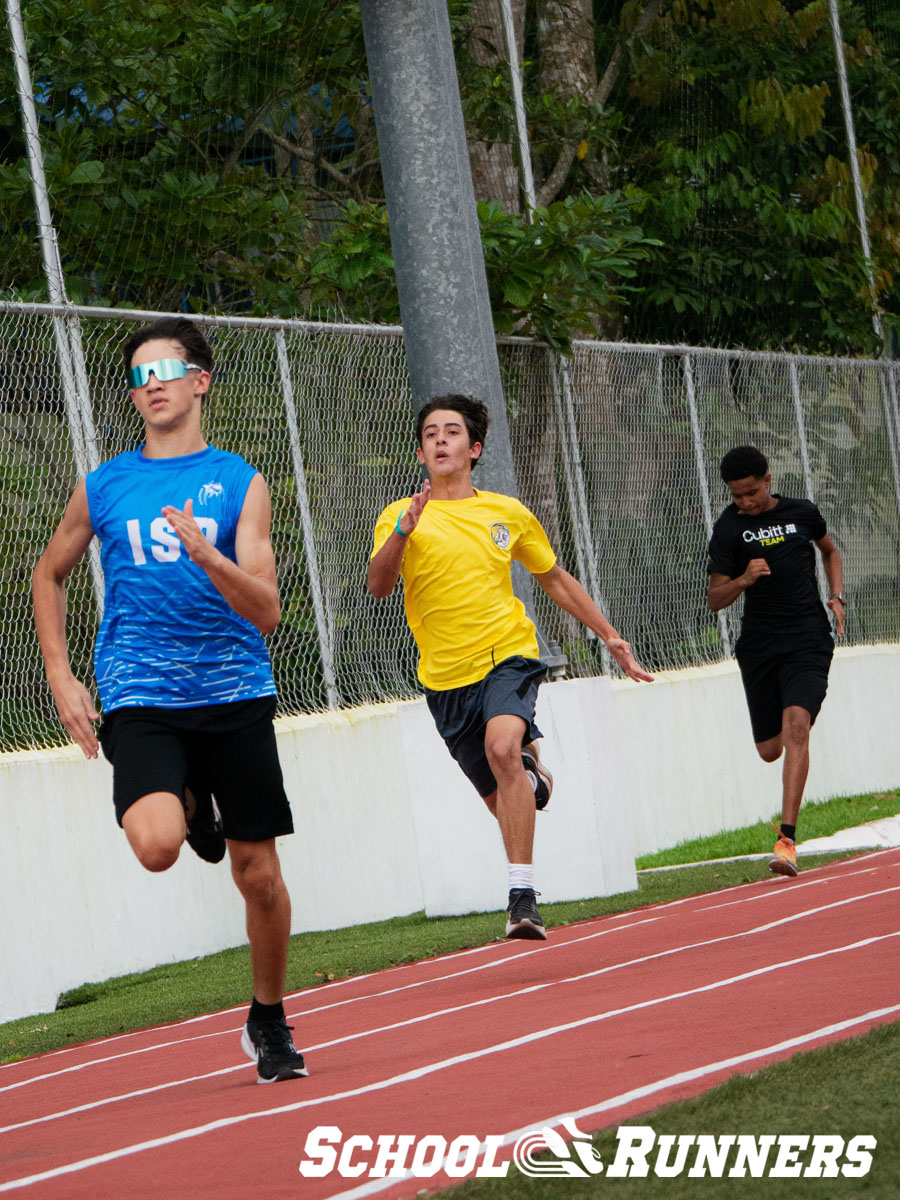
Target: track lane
[496,1020]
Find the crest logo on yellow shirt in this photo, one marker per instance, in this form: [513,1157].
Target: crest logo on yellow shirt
[500,535]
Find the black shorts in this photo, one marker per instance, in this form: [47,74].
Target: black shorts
[792,673]
[461,714]
[226,749]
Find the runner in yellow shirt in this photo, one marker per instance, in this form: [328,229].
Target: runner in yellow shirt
[478,651]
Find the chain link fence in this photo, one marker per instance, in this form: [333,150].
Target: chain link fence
[616,451]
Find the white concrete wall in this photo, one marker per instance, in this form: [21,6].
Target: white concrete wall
[387,825]
[687,749]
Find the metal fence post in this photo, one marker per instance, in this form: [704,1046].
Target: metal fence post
[724,632]
[887,380]
[69,352]
[847,107]
[574,475]
[804,460]
[323,631]
[526,174]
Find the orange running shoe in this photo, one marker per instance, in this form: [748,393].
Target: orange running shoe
[784,857]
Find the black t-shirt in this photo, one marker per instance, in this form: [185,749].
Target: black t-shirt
[788,599]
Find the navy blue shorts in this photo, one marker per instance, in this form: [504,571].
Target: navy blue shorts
[226,749]
[461,714]
[792,674]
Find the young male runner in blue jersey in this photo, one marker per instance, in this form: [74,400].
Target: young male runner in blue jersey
[762,547]
[183,673]
[478,651]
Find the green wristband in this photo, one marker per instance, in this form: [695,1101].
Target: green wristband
[397,528]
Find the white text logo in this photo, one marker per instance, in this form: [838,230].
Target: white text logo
[640,1152]
[166,542]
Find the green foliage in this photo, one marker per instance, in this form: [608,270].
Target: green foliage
[201,154]
[158,127]
[560,275]
[555,277]
[737,157]
[351,273]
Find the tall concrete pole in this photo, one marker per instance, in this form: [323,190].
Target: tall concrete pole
[444,306]
[433,217]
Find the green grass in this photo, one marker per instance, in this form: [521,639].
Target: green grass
[186,989]
[816,820]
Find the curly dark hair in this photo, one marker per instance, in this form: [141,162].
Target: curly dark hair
[743,462]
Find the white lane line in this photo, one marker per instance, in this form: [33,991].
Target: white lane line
[669,951]
[513,959]
[509,959]
[223,1012]
[419,1072]
[147,1091]
[772,885]
[642,1093]
[785,889]
[435,1015]
[420,1019]
[500,946]
[511,955]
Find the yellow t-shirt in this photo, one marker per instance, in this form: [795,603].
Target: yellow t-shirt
[458,593]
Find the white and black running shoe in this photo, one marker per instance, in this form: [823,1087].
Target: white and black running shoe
[524,918]
[270,1045]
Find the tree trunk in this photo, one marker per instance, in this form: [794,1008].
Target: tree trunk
[572,19]
[565,31]
[494,170]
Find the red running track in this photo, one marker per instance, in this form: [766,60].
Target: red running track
[607,1019]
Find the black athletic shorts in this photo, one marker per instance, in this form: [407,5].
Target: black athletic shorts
[462,713]
[226,749]
[792,672]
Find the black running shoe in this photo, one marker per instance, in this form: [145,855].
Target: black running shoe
[205,834]
[538,776]
[524,918]
[270,1045]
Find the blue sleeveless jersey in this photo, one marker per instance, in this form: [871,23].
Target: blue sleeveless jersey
[168,638]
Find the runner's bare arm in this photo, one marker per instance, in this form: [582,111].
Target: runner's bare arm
[64,551]
[834,573]
[723,590]
[564,590]
[384,568]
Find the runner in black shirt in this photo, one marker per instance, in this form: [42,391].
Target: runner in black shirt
[762,544]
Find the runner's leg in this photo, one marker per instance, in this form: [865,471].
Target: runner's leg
[155,828]
[257,873]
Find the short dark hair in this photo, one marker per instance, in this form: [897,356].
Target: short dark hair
[472,411]
[742,462]
[174,329]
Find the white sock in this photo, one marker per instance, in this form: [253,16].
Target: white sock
[521,875]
